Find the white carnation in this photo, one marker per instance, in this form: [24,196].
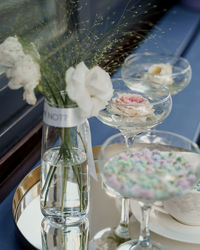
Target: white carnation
[90,89]
[10,52]
[20,68]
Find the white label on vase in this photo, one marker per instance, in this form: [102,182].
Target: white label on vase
[62,117]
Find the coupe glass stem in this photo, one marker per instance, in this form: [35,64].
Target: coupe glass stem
[129,141]
[144,238]
[122,228]
[129,138]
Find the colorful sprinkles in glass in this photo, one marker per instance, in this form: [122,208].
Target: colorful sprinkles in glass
[150,175]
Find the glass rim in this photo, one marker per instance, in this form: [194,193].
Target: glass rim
[162,55]
[194,144]
[166,96]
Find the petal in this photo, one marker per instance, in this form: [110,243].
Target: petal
[80,73]
[99,83]
[75,86]
[76,89]
[90,89]
[29,96]
[97,105]
[85,104]
[10,51]
[68,74]
[14,84]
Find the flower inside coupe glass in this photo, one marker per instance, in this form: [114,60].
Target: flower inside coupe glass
[132,111]
[132,105]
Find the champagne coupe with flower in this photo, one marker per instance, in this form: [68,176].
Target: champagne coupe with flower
[149,172]
[171,71]
[131,112]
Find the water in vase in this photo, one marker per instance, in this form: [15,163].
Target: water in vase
[65,184]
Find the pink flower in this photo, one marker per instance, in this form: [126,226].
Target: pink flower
[132,105]
[132,99]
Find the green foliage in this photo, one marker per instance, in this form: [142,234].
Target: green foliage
[67,32]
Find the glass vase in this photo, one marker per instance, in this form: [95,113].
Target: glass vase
[64,194]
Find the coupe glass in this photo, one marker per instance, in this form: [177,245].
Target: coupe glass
[135,110]
[171,71]
[149,172]
[131,111]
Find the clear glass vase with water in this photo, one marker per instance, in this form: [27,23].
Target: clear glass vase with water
[64,192]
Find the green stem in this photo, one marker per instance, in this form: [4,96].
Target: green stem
[65,132]
[66,156]
[63,239]
[75,172]
[64,185]
[44,243]
[48,180]
[81,195]
[48,183]
[65,175]
[83,240]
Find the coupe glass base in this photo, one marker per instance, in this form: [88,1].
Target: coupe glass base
[107,239]
[128,245]
[135,245]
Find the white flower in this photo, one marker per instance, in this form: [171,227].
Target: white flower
[90,89]
[20,68]
[160,73]
[10,52]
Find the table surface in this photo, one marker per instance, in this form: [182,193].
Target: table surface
[177,33]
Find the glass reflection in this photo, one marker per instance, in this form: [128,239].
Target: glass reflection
[64,237]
